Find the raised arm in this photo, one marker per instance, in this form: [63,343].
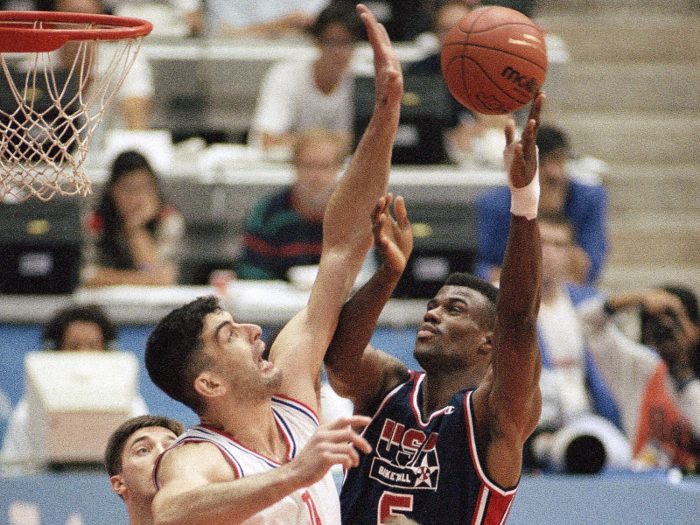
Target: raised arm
[355,369]
[508,402]
[347,237]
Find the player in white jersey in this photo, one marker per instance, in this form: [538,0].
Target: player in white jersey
[202,357]
[315,504]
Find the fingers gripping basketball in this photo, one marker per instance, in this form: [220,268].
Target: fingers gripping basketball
[494,60]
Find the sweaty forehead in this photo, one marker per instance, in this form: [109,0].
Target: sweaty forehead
[459,293]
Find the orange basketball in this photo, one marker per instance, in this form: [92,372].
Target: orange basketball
[494,60]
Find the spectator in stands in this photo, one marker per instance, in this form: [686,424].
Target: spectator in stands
[466,135]
[299,95]
[133,237]
[189,12]
[284,230]
[84,328]
[268,19]
[404,20]
[585,205]
[134,99]
[527,7]
[130,456]
[575,399]
[654,382]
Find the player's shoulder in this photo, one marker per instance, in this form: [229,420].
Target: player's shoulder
[197,461]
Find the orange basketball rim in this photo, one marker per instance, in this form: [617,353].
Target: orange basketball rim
[55,104]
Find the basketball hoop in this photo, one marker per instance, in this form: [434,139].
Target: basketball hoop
[57,94]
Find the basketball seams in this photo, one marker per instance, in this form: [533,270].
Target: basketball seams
[520,57]
[470,89]
[476,19]
[486,64]
[491,28]
[487,76]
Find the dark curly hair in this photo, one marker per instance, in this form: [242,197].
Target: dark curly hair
[118,439]
[549,139]
[340,12]
[55,330]
[173,356]
[108,245]
[485,288]
[689,301]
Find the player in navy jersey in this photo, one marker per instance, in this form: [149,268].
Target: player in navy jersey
[447,443]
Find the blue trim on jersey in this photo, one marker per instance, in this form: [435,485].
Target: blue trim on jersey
[303,409]
[292,449]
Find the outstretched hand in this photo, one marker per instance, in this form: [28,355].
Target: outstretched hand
[393,238]
[387,68]
[521,156]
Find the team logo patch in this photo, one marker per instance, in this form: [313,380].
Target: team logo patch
[406,458]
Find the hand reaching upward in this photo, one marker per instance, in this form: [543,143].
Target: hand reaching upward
[388,76]
[521,156]
[393,238]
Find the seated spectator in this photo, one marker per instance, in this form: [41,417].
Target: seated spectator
[654,382]
[465,136]
[284,230]
[460,125]
[299,95]
[573,392]
[584,205]
[404,20]
[527,7]
[133,237]
[130,457]
[133,104]
[190,13]
[268,19]
[72,329]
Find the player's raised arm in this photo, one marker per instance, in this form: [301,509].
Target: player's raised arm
[355,369]
[347,228]
[508,402]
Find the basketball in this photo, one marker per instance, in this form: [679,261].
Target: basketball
[494,61]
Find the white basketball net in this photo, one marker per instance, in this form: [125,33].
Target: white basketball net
[43,146]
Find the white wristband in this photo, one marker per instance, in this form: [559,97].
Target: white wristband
[525,201]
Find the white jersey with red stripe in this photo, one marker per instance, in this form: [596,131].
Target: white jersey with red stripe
[314,505]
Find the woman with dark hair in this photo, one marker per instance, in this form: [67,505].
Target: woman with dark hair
[133,235]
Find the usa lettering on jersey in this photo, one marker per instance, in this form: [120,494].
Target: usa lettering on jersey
[406,458]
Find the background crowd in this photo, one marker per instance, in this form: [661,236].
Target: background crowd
[620,370]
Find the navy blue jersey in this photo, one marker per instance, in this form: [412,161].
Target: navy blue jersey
[426,470]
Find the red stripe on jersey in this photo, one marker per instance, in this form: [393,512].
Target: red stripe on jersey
[492,508]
